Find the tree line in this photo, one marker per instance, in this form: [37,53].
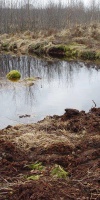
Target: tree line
[26,15]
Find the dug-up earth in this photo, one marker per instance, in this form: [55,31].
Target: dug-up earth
[54,159]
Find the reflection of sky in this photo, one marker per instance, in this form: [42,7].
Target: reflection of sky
[63,85]
[79,95]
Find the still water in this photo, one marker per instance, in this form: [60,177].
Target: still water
[62,85]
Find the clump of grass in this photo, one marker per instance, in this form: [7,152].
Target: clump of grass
[59,172]
[98,55]
[31,78]
[88,55]
[33,177]
[57,50]
[13,75]
[5,46]
[36,48]
[77,31]
[69,51]
[36,166]
[13,46]
[27,33]
[50,32]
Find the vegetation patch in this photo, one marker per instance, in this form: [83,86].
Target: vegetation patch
[88,55]
[13,47]
[29,81]
[13,75]
[5,46]
[98,55]
[71,52]
[36,166]
[33,177]
[59,172]
[57,50]
[31,78]
[76,42]
[68,51]
[37,48]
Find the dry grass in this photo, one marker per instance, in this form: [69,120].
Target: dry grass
[81,36]
[41,139]
[42,134]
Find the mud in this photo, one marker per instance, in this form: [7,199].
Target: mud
[71,141]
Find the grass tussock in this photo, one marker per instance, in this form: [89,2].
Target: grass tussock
[79,41]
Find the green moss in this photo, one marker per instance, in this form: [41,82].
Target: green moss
[31,79]
[36,166]
[37,48]
[61,48]
[88,55]
[33,177]
[59,172]
[75,53]
[69,51]
[5,46]
[64,50]
[98,55]
[13,75]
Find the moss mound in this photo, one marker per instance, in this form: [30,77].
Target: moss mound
[14,75]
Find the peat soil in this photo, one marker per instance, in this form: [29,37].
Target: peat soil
[71,141]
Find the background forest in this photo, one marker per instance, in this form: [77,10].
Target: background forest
[28,15]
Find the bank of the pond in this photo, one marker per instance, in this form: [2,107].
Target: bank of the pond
[79,42]
[56,158]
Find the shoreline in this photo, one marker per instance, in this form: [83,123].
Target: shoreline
[79,42]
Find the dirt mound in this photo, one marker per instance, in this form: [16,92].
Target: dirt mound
[81,121]
[12,159]
[45,190]
[70,142]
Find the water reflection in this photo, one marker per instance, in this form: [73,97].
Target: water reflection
[29,66]
[62,85]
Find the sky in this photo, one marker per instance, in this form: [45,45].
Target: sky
[86,2]
[44,2]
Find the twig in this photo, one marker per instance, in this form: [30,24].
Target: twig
[94,103]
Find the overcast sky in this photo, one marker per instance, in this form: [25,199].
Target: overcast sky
[44,2]
[86,2]
[62,1]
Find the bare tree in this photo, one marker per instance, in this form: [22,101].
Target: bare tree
[28,15]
